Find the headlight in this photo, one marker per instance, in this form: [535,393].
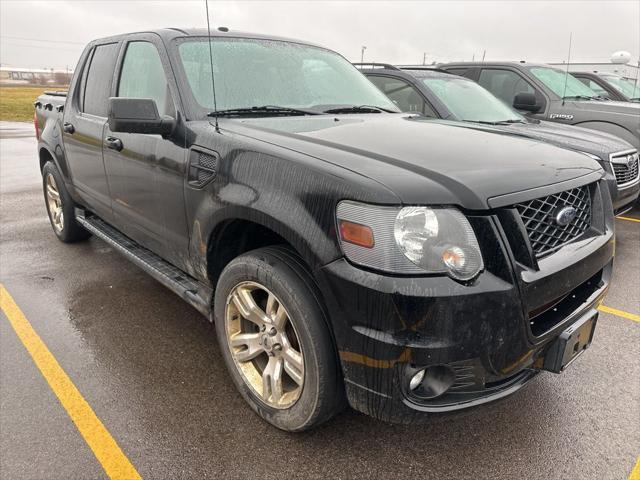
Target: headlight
[409,240]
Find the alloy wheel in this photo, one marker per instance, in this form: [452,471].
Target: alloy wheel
[54,202]
[264,344]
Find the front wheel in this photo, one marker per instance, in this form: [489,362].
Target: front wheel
[275,339]
[60,206]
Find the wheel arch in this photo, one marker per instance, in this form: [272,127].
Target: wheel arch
[245,230]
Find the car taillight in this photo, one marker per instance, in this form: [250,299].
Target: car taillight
[36,125]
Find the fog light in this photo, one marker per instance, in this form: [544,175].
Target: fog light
[416,380]
[431,382]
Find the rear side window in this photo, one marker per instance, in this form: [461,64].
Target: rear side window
[504,84]
[98,81]
[405,96]
[143,76]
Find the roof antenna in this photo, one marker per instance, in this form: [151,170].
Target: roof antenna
[213,81]
[566,74]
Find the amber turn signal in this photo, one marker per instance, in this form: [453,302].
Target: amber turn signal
[357,234]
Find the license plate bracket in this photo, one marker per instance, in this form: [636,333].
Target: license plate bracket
[571,343]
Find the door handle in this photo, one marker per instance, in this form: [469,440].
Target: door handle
[113,143]
[68,128]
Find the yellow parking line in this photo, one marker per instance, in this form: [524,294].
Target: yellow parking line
[635,473]
[620,313]
[115,463]
[629,219]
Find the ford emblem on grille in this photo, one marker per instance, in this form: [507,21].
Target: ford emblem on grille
[565,215]
[630,160]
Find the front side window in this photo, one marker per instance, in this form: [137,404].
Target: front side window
[562,83]
[405,96]
[142,76]
[594,86]
[504,84]
[97,85]
[250,72]
[469,101]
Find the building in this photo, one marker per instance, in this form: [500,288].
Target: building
[34,76]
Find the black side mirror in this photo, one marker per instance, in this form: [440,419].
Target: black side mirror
[138,115]
[526,101]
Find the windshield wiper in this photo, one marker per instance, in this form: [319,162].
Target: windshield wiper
[579,97]
[357,109]
[263,110]
[511,120]
[500,122]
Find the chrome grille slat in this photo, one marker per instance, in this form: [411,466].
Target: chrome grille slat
[538,217]
[625,172]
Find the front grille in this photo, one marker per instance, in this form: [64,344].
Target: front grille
[625,168]
[539,217]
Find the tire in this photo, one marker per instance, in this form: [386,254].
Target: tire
[60,206]
[318,392]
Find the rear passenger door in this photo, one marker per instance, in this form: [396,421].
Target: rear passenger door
[85,118]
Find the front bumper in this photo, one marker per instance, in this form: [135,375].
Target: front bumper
[388,327]
[625,197]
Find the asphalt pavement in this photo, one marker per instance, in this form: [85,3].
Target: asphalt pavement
[148,365]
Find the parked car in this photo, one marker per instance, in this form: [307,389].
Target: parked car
[548,93]
[344,249]
[441,94]
[610,85]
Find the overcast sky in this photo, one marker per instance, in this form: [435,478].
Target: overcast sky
[393,31]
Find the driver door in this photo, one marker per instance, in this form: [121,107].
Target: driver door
[145,171]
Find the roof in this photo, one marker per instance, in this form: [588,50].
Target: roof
[517,64]
[172,33]
[424,70]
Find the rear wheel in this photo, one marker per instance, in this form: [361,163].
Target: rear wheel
[275,340]
[60,206]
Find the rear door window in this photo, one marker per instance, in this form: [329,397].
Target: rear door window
[99,79]
[504,84]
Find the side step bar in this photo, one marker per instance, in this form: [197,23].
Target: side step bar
[187,287]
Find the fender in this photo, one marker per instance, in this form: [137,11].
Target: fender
[311,241]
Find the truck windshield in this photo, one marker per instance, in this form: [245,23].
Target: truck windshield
[469,101]
[623,85]
[555,80]
[255,72]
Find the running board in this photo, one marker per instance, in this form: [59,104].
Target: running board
[187,287]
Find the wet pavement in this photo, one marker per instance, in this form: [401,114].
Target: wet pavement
[149,366]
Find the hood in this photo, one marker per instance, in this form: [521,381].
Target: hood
[608,106]
[424,160]
[580,139]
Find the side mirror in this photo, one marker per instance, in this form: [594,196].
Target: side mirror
[526,101]
[138,115]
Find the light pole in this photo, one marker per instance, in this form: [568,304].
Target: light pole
[362,53]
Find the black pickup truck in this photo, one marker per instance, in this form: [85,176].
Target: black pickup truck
[343,249]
